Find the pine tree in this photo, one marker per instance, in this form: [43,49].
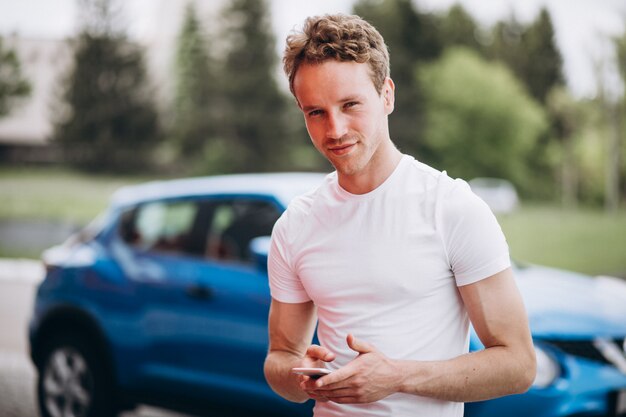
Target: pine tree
[196,95]
[108,122]
[254,109]
[544,68]
[413,39]
[531,53]
[12,83]
[616,169]
[458,28]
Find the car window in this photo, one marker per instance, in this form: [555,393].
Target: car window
[216,229]
[161,226]
[235,223]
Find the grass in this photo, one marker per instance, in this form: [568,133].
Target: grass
[55,194]
[583,240]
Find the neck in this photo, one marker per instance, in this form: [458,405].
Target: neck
[380,167]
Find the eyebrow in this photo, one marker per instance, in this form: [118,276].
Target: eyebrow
[347,99]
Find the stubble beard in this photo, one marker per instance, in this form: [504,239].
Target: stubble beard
[350,164]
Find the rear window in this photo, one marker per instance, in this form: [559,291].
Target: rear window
[160,226]
[219,229]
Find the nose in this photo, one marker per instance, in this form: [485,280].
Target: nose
[336,126]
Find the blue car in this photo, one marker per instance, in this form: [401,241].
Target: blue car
[164,299]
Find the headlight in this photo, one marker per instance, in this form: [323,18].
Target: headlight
[547,368]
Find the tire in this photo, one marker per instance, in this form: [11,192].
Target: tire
[73,381]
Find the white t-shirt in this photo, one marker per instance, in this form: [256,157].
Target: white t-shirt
[385,267]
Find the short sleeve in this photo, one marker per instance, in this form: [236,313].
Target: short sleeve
[285,286]
[474,242]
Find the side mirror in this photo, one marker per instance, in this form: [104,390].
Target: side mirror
[259,248]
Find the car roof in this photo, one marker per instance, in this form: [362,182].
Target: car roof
[282,186]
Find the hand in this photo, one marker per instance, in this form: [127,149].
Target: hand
[315,357]
[369,377]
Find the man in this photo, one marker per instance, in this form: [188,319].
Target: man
[389,258]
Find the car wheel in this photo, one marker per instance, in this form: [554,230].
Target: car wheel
[72,380]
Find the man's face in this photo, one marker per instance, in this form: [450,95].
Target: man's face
[345,116]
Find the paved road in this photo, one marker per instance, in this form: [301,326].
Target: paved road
[18,280]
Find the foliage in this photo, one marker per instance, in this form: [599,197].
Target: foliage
[254,129]
[108,121]
[413,39]
[620,138]
[591,152]
[480,120]
[531,53]
[458,28]
[568,118]
[544,66]
[12,83]
[195,101]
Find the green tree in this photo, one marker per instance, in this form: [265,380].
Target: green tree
[567,122]
[480,120]
[544,65]
[616,175]
[458,28]
[108,121]
[194,110]
[507,45]
[254,125]
[12,82]
[413,39]
[531,53]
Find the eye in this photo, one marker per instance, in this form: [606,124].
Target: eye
[314,113]
[350,104]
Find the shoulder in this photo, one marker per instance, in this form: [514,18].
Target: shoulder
[449,200]
[435,189]
[425,178]
[458,200]
[302,207]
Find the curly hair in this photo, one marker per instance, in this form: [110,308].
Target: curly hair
[340,37]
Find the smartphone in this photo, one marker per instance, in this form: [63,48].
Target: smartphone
[314,373]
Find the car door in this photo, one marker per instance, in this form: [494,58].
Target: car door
[204,302]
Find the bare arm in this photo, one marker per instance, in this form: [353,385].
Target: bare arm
[291,328]
[505,366]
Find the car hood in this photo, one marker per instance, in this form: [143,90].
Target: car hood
[564,304]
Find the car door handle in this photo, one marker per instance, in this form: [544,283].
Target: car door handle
[199,292]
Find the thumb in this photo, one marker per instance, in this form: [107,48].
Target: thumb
[358,346]
[320,353]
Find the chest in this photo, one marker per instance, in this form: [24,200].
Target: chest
[374,253]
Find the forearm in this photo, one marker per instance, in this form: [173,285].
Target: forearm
[490,373]
[278,374]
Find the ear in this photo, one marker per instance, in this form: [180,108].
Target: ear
[388,94]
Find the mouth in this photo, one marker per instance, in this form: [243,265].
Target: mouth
[342,149]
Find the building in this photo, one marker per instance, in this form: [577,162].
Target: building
[25,134]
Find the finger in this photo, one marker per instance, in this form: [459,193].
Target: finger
[335,393]
[336,379]
[357,345]
[345,400]
[317,397]
[308,384]
[321,353]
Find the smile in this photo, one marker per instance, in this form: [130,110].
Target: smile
[342,150]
